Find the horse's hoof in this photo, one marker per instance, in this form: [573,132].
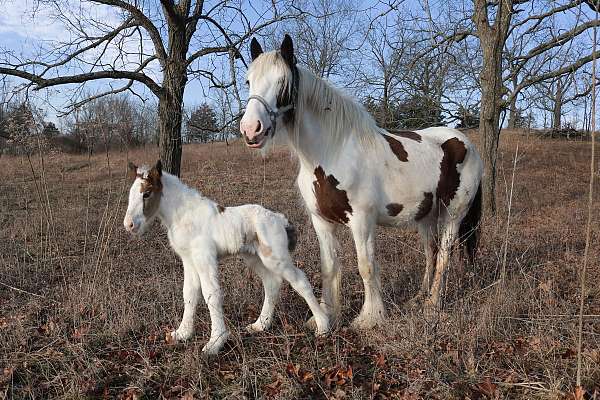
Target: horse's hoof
[363,322]
[416,303]
[431,308]
[311,324]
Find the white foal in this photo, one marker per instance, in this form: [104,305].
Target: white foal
[201,231]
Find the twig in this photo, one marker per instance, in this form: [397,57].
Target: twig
[22,291]
[510,197]
[589,209]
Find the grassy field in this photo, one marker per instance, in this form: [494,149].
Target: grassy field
[84,308]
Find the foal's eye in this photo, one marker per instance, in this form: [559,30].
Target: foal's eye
[146,195]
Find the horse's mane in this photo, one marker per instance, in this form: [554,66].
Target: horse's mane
[340,115]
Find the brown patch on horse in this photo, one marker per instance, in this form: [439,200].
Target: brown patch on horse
[425,206]
[397,148]
[265,250]
[332,203]
[220,208]
[408,135]
[454,154]
[394,209]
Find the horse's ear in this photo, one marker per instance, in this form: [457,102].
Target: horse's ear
[131,170]
[255,49]
[287,50]
[158,167]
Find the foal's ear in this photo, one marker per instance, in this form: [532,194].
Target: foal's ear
[255,49]
[131,170]
[158,167]
[287,50]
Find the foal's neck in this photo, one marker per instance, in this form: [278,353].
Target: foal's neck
[177,200]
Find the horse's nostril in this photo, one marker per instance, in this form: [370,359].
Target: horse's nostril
[258,126]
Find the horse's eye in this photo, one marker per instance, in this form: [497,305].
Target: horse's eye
[247,83]
[146,195]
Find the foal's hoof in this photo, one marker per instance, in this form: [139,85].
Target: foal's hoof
[214,345]
[177,337]
[255,327]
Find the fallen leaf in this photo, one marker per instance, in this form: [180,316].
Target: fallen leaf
[80,332]
[380,360]
[273,388]
[188,396]
[579,393]
[132,394]
[169,339]
[487,388]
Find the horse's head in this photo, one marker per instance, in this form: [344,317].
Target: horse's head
[272,86]
[144,197]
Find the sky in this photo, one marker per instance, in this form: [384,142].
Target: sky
[24,29]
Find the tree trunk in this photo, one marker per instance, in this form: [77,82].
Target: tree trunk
[489,128]
[557,110]
[169,121]
[492,39]
[170,104]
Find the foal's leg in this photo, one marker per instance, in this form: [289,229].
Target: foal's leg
[373,311]
[280,263]
[330,268]
[271,284]
[191,293]
[438,285]
[208,271]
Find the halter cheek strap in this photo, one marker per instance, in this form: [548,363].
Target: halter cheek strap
[273,114]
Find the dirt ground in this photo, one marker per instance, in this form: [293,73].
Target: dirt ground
[84,308]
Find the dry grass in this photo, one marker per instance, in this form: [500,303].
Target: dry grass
[84,308]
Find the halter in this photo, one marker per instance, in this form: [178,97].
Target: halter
[273,114]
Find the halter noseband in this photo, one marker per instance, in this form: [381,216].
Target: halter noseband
[273,114]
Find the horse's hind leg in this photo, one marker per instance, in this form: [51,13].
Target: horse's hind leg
[271,285]
[373,311]
[430,246]
[438,285]
[330,268]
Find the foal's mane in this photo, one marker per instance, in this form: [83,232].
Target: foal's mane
[340,115]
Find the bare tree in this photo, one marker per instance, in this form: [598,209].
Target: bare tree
[157,45]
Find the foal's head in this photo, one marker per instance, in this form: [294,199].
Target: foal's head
[144,197]
[273,81]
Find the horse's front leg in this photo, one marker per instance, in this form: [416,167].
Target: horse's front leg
[191,293]
[373,311]
[330,268]
[209,281]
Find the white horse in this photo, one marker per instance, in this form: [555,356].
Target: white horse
[356,174]
[201,231]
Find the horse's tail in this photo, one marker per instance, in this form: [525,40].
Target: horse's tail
[292,236]
[469,230]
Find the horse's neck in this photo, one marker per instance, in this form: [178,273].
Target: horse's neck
[311,143]
[177,199]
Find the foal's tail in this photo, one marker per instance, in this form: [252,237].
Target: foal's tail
[292,236]
[469,230]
